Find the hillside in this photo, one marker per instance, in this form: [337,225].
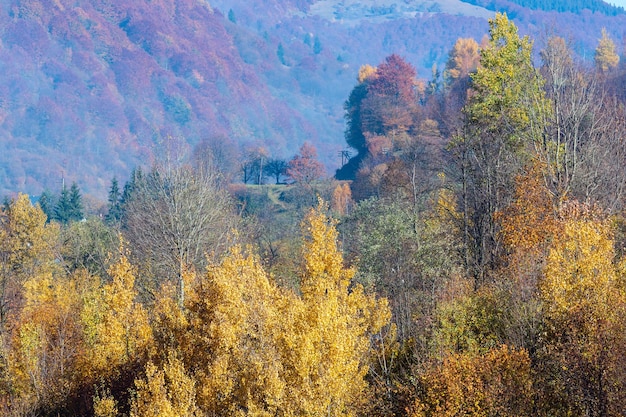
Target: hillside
[90,89]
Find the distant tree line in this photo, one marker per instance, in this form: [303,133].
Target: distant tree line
[571,6]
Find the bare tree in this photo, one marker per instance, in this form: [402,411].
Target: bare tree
[582,146]
[218,152]
[177,218]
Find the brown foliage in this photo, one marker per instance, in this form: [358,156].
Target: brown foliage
[496,383]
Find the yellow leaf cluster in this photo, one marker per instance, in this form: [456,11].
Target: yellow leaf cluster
[366,72]
[116,325]
[47,340]
[580,274]
[585,307]
[27,250]
[165,393]
[27,238]
[234,314]
[342,199]
[605,55]
[336,324]
[237,344]
[464,58]
[105,406]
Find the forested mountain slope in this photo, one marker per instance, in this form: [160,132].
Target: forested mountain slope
[90,89]
[573,6]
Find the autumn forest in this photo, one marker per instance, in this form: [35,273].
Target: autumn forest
[467,259]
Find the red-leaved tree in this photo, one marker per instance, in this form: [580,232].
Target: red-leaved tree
[304,167]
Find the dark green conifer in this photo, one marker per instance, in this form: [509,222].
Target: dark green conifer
[63,209]
[114,213]
[76,204]
[70,205]
[46,203]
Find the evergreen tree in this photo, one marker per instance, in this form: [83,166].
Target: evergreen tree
[76,204]
[114,203]
[280,52]
[136,177]
[70,206]
[231,16]
[62,209]
[46,203]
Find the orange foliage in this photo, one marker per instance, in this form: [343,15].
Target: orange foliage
[497,383]
[529,223]
[463,59]
[342,199]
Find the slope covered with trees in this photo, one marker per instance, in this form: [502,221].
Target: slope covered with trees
[92,89]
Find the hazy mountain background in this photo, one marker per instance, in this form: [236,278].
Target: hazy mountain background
[90,89]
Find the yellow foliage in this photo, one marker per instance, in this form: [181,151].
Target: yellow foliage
[27,250]
[116,326]
[585,308]
[47,342]
[26,238]
[580,274]
[241,345]
[234,317]
[169,320]
[464,58]
[446,210]
[259,350]
[104,406]
[333,326]
[366,72]
[342,199]
[605,56]
[165,393]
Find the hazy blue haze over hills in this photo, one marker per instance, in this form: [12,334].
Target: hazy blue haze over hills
[89,89]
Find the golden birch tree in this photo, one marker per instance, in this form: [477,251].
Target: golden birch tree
[169,392]
[327,362]
[232,344]
[584,307]
[605,56]
[116,327]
